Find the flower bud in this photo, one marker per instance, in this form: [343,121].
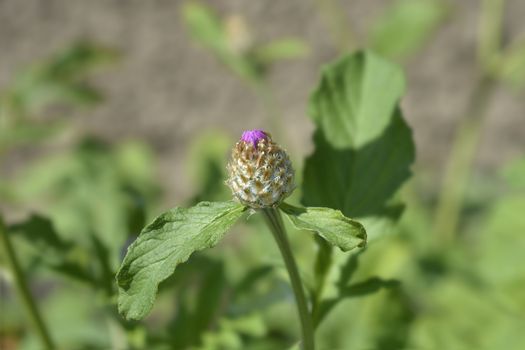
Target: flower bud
[261,174]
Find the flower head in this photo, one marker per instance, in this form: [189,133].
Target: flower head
[254,136]
[261,174]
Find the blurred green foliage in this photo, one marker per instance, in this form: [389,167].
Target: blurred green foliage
[405,26]
[33,107]
[363,148]
[211,148]
[84,203]
[165,243]
[234,44]
[511,66]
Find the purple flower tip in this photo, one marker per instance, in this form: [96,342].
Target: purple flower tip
[254,136]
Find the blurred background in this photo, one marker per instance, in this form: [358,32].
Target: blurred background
[112,111]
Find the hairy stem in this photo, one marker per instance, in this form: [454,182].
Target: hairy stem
[23,290]
[275,223]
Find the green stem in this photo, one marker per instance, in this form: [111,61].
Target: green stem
[275,223]
[460,161]
[323,263]
[490,28]
[23,290]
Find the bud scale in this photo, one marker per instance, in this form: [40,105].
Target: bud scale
[260,172]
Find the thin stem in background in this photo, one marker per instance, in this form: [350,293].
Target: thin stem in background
[458,168]
[23,290]
[490,29]
[275,223]
[460,162]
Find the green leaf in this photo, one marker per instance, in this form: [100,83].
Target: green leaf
[499,243]
[166,243]
[361,289]
[363,147]
[102,187]
[80,59]
[61,79]
[514,173]
[40,232]
[50,250]
[330,224]
[209,301]
[511,66]
[356,98]
[406,25]
[281,50]
[206,28]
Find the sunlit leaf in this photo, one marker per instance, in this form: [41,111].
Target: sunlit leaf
[165,243]
[363,147]
[356,99]
[330,224]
